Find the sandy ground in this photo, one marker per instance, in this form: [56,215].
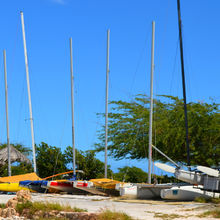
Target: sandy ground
[138,209]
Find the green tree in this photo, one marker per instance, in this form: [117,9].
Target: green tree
[22,168]
[88,163]
[50,160]
[131,174]
[129,125]
[167,179]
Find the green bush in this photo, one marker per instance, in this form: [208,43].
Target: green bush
[110,215]
[213,213]
[2,205]
[209,200]
[33,207]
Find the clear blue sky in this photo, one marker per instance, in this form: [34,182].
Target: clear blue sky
[50,23]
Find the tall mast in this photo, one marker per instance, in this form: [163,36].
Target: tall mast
[72,107]
[183,81]
[151,104]
[106,104]
[29,92]
[6,108]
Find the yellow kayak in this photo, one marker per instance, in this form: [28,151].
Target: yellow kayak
[11,187]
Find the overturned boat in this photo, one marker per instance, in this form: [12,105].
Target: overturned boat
[187,193]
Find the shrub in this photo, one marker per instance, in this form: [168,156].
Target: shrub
[32,207]
[110,215]
[2,205]
[209,200]
[214,213]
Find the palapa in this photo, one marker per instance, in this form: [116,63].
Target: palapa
[15,156]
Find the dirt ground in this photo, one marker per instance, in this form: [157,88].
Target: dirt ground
[138,209]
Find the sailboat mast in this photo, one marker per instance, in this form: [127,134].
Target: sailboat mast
[72,108]
[151,104]
[106,104]
[6,108]
[29,91]
[183,81]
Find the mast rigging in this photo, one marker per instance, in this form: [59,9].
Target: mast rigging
[183,82]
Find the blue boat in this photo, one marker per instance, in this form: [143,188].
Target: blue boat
[37,185]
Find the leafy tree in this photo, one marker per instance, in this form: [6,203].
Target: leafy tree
[137,175]
[129,125]
[167,179]
[131,174]
[86,161]
[50,160]
[22,168]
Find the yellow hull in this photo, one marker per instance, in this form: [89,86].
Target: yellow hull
[11,187]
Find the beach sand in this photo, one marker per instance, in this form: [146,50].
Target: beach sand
[138,209]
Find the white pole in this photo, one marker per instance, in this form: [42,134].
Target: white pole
[6,107]
[72,107]
[106,105]
[151,104]
[29,92]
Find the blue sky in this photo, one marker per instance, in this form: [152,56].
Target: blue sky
[50,23]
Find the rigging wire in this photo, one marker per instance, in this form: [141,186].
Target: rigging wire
[62,133]
[139,60]
[154,123]
[82,117]
[55,164]
[67,113]
[147,38]
[187,61]
[156,77]
[132,85]
[160,68]
[1,94]
[20,109]
[174,64]
[12,62]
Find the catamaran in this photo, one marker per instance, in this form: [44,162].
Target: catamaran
[207,179]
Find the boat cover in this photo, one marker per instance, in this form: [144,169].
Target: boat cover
[18,178]
[105,183]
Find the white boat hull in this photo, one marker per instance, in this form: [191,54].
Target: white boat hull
[189,177]
[186,193]
[128,191]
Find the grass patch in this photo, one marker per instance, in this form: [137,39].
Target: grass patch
[209,200]
[96,200]
[215,200]
[2,205]
[110,215]
[167,216]
[75,209]
[189,210]
[44,207]
[200,200]
[213,213]
[51,218]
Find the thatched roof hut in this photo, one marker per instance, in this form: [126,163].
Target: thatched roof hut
[15,156]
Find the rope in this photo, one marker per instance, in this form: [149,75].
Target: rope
[59,174]
[1,94]
[174,66]
[56,163]
[140,58]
